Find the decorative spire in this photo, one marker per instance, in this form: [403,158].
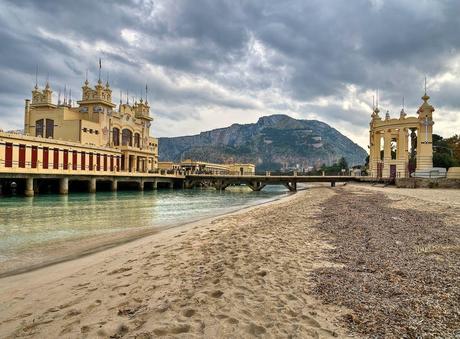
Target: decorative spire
[403,113]
[376,107]
[36,77]
[425,97]
[47,85]
[100,66]
[127,97]
[121,97]
[146,95]
[59,97]
[387,115]
[70,97]
[107,85]
[65,95]
[86,78]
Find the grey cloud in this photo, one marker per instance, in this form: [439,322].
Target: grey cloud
[311,49]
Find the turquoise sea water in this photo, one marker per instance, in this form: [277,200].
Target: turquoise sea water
[31,223]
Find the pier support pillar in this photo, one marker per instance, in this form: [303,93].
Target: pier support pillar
[256,185]
[29,192]
[141,185]
[332,183]
[114,186]
[155,185]
[291,186]
[64,186]
[92,185]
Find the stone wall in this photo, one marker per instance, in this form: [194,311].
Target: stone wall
[427,183]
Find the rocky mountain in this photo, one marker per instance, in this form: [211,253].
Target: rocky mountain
[275,142]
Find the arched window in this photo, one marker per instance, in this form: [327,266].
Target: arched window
[126,137]
[39,127]
[116,136]
[137,140]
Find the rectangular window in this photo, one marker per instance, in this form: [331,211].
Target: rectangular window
[91,161]
[33,163]
[39,126]
[74,160]
[118,164]
[22,156]
[9,155]
[56,158]
[105,162]
[111,163]
[65,164]
[45,157]
[49,128]
[83,161]
[98,162]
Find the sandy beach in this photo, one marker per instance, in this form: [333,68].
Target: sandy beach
[283,269]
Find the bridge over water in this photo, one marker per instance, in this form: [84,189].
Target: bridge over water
[258,182]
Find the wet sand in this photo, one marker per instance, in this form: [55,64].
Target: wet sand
[56,251]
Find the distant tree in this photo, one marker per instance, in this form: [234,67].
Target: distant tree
[445,151]
[454,143]
[343,164]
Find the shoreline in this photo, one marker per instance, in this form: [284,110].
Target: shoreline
[122,238]
[210,278]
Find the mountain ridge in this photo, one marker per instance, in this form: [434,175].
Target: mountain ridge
[273,142]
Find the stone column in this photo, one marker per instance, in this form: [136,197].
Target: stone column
[2,155]
[386,153]
[141,185]
[28,157]
[114,186]
[403,151]
[15,155]
[64,186]
[39,158]
[92,185]
[29,192]
[155,184]
[425,136]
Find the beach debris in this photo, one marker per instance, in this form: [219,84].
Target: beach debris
[398,275]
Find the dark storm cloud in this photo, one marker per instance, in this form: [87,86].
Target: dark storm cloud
[258,56]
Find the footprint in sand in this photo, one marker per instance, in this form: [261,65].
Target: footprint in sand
[189,313]
[173,329]
[256,330]
[120,270]
[72,313]
[217,294]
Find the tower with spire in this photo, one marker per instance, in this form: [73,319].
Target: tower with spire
[94,121]
[425,134]
[400,146]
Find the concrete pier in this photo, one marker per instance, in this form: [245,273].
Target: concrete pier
[114,185]
[29,191]
[64,186]
[92,185]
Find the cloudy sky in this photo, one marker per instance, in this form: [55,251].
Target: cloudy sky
[211,63]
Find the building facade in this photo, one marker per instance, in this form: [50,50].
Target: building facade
[61,135]
[200,167]
[401,146]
